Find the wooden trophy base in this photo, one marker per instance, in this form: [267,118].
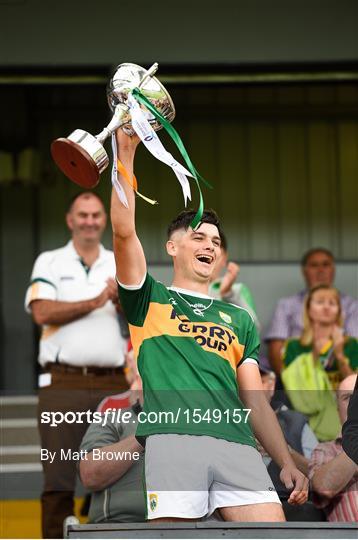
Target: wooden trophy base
[75,163]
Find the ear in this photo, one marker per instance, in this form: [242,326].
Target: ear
[69,221]
[171,248]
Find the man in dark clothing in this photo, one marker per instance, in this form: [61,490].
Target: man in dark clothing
[350,427]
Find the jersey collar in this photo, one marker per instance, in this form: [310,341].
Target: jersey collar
[189,293]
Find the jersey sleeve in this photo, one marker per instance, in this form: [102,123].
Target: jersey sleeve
[135,300]
[43,283]
[252,343]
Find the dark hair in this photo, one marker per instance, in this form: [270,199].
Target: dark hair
[312,251]
[184,219]
[86,194]
[223,242]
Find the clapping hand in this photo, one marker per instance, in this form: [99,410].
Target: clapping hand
[338,340]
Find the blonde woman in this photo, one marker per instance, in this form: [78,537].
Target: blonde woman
[319,360]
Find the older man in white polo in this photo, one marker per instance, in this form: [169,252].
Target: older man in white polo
[73,297]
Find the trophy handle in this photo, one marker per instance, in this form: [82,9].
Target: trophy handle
[120,117]
[150,72]
[81,156]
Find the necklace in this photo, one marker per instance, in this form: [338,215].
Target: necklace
[197,308]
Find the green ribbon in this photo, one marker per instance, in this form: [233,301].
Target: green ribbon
[179,143]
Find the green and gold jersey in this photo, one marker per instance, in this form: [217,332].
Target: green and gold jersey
[188,348]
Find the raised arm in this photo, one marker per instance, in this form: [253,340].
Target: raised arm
[130,260]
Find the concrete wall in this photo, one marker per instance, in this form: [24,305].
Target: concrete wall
[39,32]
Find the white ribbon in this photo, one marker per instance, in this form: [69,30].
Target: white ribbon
[152,142]
[114,176]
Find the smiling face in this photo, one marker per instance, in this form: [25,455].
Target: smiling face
[86,219]
[324,306]
[195,253]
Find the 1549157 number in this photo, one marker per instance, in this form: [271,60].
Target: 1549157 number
[216,416]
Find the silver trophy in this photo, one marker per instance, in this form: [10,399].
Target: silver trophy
[81,156]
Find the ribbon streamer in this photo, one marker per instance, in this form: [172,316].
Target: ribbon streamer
[152,142]
[133,182]
[179,143]
[118,167]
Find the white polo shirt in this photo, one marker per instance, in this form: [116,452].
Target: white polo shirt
[92,340]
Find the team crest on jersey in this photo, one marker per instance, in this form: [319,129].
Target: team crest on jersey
[153,501]
[225,317]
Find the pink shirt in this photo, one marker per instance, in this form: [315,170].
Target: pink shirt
[344,506]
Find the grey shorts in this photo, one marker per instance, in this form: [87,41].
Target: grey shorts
[189,476]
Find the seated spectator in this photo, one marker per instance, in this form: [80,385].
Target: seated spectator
[316,362]
[334,476]
[227,289]
[116,484]
[299,436]
[301,441]
[318,268]
[323,335]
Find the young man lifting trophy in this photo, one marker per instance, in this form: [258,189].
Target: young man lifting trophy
[197,356]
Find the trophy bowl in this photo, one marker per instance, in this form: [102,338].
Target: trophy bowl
[128,76]
[81,156]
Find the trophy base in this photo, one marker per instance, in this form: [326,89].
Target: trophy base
[75,163]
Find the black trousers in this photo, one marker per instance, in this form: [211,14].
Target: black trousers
[68,393]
